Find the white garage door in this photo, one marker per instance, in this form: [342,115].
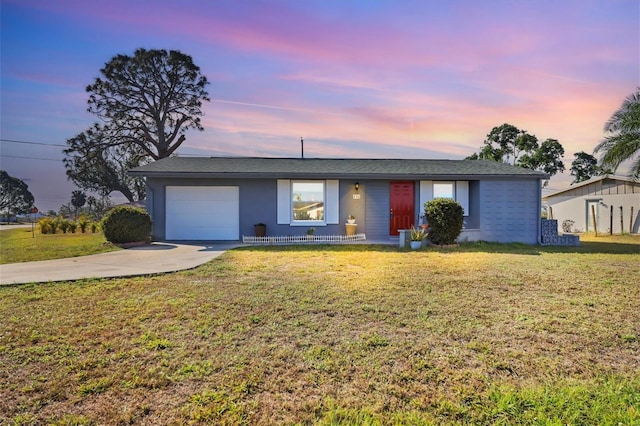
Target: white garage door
[202,213]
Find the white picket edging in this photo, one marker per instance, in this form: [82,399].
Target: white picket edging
[301,239]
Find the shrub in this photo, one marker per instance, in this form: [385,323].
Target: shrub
[64,225]
[83,221]
[445,218]
[55,223]
[567,225]
[45,225]
[126,224]
[72,227]
[94,227]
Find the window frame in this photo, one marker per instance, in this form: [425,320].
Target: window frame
[307,223]
[451,184]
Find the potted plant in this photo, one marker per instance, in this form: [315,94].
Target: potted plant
[260,229]
[310,232]
[416,236]
[351,219]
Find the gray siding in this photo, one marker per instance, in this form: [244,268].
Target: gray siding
[473,220]
[500,210]
[257,205]
[377,209]
[510,211]
[257,201]
[352,202]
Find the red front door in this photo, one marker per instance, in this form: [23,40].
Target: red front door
[401,208]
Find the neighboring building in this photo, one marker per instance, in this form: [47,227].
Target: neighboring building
[222,198]
[615,200]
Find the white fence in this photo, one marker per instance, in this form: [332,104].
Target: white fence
[301,239]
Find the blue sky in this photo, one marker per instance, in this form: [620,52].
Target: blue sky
[414,79]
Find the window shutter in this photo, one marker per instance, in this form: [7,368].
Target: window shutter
[462,195]
[426,193]
[284,201]
[332,204]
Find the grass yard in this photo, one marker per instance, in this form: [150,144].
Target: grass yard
[329,335]
[19,245]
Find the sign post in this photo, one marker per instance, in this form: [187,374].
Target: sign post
[34,210]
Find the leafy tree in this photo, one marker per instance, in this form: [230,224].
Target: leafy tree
[546,157]
[15,196]
[94,164]
[622,140]
[585,166]
[146,102]
[65,210]
[78,199]
[508,144]
[97,207]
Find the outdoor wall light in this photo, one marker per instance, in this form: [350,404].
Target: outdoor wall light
[357,186]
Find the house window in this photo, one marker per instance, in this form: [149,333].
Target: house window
[444,190]
[457,190]
[307,201]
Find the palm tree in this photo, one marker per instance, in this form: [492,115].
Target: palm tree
[622,142]
[78,199]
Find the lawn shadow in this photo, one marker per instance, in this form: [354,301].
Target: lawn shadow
[467,247]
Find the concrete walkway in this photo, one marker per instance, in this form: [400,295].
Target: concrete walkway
[150,259]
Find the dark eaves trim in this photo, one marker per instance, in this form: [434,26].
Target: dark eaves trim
[362,176]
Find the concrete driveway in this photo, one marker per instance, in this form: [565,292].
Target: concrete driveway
[150,259]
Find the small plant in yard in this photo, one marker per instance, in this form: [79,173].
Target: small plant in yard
[83,222]
[418,234]
[72,227]
[311,231]
[445,217]
[567,225]
[126,224]
[64,225]
[45,225]
[94,227]
[55,224]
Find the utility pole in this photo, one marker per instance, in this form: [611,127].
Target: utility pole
[302,146]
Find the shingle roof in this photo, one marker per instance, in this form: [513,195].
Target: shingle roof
[589,182]
[330,167]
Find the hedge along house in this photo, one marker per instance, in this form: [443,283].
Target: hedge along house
[222,198]
[615,201]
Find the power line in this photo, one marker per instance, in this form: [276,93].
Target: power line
[29,158]
[32,143]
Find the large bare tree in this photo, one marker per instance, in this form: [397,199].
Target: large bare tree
[146,102]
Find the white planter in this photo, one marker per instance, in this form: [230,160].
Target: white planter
[415,245]
[351,221]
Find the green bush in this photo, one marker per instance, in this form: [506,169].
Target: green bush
[72,227]
[126,224]
[94,227]
[445,218]
[64,225]
[55,223]
[83,222]
[45,225]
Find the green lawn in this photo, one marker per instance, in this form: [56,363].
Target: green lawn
[480,334]
[23,245]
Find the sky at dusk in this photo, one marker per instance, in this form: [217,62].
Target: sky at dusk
[355,79]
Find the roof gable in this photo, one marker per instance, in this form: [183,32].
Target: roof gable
[327,167]
[597,185]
